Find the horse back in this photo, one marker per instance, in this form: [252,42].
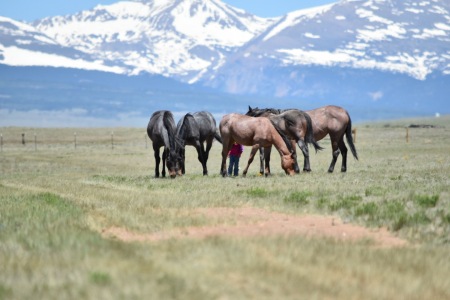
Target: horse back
[160,126]
[206,124]
[328,119]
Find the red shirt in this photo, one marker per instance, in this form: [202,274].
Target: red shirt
[236,150]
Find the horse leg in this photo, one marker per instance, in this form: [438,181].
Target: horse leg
[304,147]
[261,161]
[157,160]
[206,154]
[343,149]
[250,159]
[334,146]
[183,157]
[294,155]
[164,158]
[267,152]
[201,156]
[226,147]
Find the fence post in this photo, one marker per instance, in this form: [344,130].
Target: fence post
[75,140]
[23,139]
[407,134]
[1,142]
[112,140]
[354,135]
[35,142]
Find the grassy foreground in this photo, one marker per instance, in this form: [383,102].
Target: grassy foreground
[56,199]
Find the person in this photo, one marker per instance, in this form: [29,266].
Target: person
[234,155]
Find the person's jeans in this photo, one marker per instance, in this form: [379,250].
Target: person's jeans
[234,163]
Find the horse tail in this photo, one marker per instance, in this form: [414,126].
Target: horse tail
[285,138]
[217,136]
[309,137]
[348,134]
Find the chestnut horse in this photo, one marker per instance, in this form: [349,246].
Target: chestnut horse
[329,120]
[161,130]
[255,132]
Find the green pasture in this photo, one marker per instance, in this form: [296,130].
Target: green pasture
[64,186]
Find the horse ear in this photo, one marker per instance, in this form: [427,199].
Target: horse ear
[249,108]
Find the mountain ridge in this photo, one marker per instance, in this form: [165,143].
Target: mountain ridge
[377,58]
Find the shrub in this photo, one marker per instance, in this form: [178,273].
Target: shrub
[426,201]
[299,198]
[257,192]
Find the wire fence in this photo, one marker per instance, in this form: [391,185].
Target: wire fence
[76,140]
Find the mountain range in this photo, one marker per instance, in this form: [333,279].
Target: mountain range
[378,58]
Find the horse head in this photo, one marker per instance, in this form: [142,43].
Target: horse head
[252,111]
[173,163]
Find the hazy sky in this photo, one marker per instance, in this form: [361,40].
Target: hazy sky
[30,10]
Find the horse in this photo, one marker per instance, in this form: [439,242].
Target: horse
[329,120]
[194,130]
[297,125]
[161,130]
[255,132]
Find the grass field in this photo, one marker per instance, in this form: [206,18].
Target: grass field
[57,201]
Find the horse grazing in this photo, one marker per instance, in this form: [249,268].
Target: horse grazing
[194,130]
[329,120]
[161,130]
[256,132]
[297,125]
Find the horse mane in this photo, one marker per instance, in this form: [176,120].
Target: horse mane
[285,138]
[257,112]
[184,128]
[169,122]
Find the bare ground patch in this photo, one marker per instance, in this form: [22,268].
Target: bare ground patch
[249,221]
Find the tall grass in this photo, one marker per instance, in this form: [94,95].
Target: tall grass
[55,202]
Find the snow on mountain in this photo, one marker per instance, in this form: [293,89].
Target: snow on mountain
[212,43]
[22,45]
[174,38]
[408,37]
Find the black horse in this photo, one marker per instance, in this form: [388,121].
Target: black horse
[194,130]
[161,130]
[329,120]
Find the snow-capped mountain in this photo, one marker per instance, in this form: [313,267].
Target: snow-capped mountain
[175,38]
[23,45]
[378,58]
[410,37]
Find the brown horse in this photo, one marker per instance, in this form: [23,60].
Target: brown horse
[334,121]
[297,125]
[294,123]
[329,120]
[255,132]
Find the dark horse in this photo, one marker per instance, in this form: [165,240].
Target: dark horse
[329,120]
[297,125]
[161,130]
[256,132]
[194,130]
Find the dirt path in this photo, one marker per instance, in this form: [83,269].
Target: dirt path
[247,222]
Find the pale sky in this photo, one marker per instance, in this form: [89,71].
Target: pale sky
[30,10]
